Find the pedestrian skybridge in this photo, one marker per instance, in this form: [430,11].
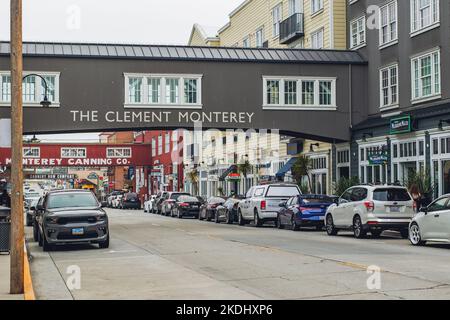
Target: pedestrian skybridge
[101,87]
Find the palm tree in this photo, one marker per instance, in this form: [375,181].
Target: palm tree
[193,177]
[245,168]
[301,168]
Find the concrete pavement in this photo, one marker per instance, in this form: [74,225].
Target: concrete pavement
[154,257]
[4,279]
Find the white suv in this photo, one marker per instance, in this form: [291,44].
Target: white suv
[262,202]
[371,209]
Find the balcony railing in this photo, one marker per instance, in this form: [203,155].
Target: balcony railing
[292,28]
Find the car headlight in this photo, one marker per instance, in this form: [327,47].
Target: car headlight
[101,217]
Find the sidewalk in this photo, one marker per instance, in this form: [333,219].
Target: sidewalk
[4,280]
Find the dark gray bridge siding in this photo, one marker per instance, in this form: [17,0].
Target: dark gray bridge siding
[402,52]
[91,84]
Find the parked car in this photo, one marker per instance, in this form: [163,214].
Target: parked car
[72,216]
[228,211]
[30,212]
[111,196]
[432,223]
[130,200]
[171,197]
[116,201]
[29,197]
[160,200]
[208,209]
[371,209]
[185,205]
[261,203]
[148,205]
[304,211]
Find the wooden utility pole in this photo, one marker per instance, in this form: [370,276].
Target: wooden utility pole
[17,214]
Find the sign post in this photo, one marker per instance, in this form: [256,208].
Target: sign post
[17,221]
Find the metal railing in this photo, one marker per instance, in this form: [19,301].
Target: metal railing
[291,28]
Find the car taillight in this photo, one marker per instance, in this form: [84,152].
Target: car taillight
[263,205]
[370,206]
[184,204]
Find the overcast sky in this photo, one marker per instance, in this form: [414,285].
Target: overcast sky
[115,21]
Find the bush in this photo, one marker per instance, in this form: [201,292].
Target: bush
[343,184]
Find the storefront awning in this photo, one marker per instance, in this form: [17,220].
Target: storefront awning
[231,169]
[282,172]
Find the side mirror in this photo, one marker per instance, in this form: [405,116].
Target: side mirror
[423,209]
[282,204]
[40,207]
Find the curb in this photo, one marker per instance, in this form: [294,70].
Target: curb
[27,281]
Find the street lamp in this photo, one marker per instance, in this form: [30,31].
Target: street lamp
[45,103]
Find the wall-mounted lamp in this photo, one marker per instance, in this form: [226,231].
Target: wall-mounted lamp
[367,134]
[312,145]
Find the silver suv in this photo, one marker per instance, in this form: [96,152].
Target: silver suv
[262,202]
[371,209]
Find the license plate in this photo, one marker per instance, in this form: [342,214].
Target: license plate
[78,231]
[394,209]
[194,207]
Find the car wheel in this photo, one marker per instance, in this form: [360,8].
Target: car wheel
[45,245]
[414,235]
[358,230]
[241,220]
[294,225]
[331,229]
[39,238]
[279,224]
[104,244]
[216,217]
[258,221]
[29,220]
[376,233]
[404,233]
[179,214]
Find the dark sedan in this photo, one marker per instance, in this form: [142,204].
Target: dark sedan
[304,211]
[185,206]
[208,209]
[130,200]
[71,216]
[228,212]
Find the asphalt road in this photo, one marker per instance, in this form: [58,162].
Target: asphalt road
[155,257]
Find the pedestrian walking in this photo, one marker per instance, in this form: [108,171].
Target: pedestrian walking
[416,195]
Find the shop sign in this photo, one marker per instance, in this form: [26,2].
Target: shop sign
[376,159]
[401,125]
[234,177]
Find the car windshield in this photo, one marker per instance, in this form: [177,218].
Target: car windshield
[132,196]
[392,194]
[72,200]
[216,200]
[317,199]
[175,196]
[282,191]
[183,198]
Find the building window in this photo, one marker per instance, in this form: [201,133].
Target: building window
[246,42]
[276,19]
[358,32]
[190,91]
[118,152]
[316,6]
[153,147]
[300,92]
[167,143]
[154,90]
[31,152]
[163,90]
[290,92]
[424,13]
[273,92]
[389,86]
[317,39]
[426,76]
[294,7]
[160,144]
[135,90]
[33,89]
[259,38]
[73,152]
[388,21]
